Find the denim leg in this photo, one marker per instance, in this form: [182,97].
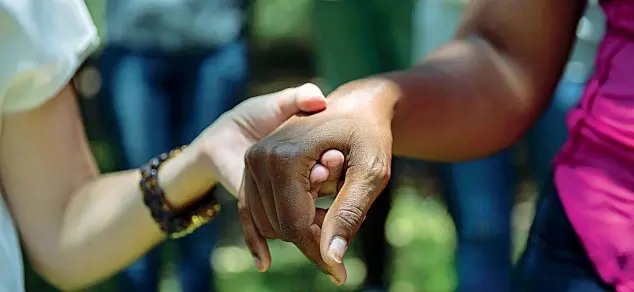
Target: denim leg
[550,132]
[218,82]
[215,83]
[140,104]
[554,259]
[480,198]
[144,274]
[140,113]
[194,262]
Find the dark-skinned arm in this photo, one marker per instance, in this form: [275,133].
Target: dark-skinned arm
[485,87]
[475,95]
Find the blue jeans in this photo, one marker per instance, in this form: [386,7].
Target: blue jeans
[554,259]
[480,197]
[160,102]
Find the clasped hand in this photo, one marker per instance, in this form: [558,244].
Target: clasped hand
[277,196]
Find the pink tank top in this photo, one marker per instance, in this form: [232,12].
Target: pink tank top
[594,172]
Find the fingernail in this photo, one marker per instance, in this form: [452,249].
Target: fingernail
[333,279]
[337,249]
[333,163]
[258,264]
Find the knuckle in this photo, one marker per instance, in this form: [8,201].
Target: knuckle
[266,230]
[285,153]
[307,90]
[385,176]
[268,233]
[349,218]
[379,171]
[242,205]
[291,233]
[309,85]
[243,210]
[254,153]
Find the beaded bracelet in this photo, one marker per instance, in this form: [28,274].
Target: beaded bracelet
[174,223]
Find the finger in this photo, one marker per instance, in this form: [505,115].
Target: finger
[309,98]
[305,98]
[296,214]
[256,244]
[334,162]
[263,209]
[309,246]
[260,216]
[363,183]
[320,214]
[339,185]
[332,159]
[318,174]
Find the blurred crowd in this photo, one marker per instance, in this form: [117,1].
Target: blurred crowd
[169,68]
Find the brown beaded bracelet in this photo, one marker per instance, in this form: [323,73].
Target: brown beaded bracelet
[175,223]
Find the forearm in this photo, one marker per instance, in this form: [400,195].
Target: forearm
[480,92]
[105,225]
[465,101]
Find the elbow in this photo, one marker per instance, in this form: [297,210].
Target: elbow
[517,123]
[503,125]
[516,120]
[63,275]
[61,280]
[65,285]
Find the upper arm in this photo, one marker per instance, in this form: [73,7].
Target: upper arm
[43,151]
[536,36]
[44,157]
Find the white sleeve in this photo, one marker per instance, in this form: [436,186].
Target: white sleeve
[42,43]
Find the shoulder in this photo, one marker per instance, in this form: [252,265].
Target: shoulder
[43,43]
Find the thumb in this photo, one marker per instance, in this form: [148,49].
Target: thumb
[363,183]
[306,98]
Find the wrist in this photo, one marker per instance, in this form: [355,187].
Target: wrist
[226,162]
[377,95]
[187,177]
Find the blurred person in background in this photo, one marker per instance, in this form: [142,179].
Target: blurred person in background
[480,193]
[170,69]
[355,39]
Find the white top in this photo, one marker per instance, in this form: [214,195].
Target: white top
[42,43]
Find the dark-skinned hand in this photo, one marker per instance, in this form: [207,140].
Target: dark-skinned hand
[277,195]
